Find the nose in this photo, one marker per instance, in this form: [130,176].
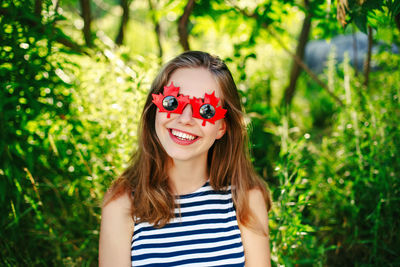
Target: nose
[186,117]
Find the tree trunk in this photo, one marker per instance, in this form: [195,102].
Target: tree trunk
[87,20]
[300,50]
[38,8]
[397,20]
[157,29]
[367,63]
[355,52]
[124,21]
[293,55]
[183,25]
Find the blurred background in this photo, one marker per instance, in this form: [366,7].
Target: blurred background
[319,80]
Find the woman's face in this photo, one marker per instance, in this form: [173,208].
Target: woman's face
[183,136]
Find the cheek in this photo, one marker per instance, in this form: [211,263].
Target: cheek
[161,121]
[161,118]
[158,123]
[211,130]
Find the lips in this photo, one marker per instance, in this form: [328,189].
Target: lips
[181,137]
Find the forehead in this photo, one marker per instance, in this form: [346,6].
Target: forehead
[195,82]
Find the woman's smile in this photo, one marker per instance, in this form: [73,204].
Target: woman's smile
[182,137]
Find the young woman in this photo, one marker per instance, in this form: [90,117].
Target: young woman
[190,196]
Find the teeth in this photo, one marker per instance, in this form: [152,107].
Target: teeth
[183,136]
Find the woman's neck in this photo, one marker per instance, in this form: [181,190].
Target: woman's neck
[187,176]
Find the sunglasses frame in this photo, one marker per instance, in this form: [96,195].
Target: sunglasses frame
[196,103]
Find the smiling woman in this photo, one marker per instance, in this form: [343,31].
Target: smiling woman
[190,196]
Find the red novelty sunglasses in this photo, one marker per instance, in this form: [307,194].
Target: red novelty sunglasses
[205,109]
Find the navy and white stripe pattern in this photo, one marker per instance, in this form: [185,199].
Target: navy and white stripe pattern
[206,234]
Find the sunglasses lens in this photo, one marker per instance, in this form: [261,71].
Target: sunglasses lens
[207,111]
[170,103]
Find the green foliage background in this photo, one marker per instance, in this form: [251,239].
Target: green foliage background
[69,116]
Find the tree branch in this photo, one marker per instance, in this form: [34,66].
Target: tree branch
[183,25]
[38,8]
[87,20]
[157,29]
[124,21]
[300,51]
[293,55]
[69,43]
[397,21]
[36,25]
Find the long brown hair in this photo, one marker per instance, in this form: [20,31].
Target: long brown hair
[228,158]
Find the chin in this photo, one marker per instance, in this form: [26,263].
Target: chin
[179,157]
[183,156]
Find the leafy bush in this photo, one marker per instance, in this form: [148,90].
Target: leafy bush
[63,141]
[356,174]
[337,194]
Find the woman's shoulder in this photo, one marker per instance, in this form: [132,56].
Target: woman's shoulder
[120,201]
[255,195]
[259,197]
[116,213]
[116,229]
[258,205]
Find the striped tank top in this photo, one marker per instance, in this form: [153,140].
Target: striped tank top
[204,232]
